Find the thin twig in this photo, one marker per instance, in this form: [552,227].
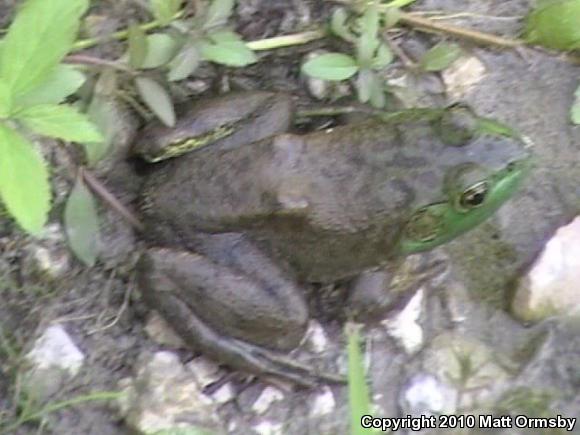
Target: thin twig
[101,191]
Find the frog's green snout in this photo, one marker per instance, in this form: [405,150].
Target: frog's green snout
[438,223]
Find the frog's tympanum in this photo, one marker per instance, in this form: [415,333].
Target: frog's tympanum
[238,226]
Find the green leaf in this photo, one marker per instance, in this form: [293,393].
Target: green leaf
[363,85]
[165,10]
[137,46]
[40,36]
[5,100]
[103,114]
[383,58]
[161,49]
[157,99]
[227,48]
[555,24]
[440,56]
[60,121]
[185,63]
[339,27]
[24,184]
[218,13]
[331,66]
[358,391]
[65,80]
[368,42]
[81,223]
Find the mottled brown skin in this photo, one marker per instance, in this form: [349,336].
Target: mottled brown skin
[243,227]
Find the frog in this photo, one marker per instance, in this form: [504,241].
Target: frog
[242,215]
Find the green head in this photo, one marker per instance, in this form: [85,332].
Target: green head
[470,192]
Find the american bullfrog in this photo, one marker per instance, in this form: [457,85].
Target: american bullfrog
[238,227]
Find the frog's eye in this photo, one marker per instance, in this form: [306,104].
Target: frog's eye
[474,196]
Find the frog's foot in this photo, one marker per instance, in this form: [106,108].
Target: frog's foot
[211,304]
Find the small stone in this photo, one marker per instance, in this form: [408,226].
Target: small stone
[269,428]
[426,395]
[551,285]
[405,327]
[268,396]
[322,403]
[55,348]
[205,370]
[164,395]
[462,75]
[160,332]
[316,339]
[55,359]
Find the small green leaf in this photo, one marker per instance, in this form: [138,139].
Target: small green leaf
[137,46]
[218,13]
[81,223]
[358,391]
[440,56]
[331,66]
[377,99]
[185,63]
[555,24]
[165,10]
[24,184]
[64,81]
[227,48]
[383,58]
[157,99]
[161,49]
[40,36]
[363,85]
[368,42]
[339,27]
[103,114]
[60,121]
[5,100]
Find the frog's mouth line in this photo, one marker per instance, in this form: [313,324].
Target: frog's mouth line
[439,223]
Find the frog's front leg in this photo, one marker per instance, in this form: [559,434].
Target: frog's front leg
[240,310]
[374,293]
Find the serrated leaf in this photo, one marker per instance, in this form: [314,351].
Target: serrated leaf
[555,24]
[137,46]
[339,27]
[227,48]
[331,66]
[40,36]
[64,81]
[184,63]
[165,10]
[440,56]
[5,100]
[157,99]
[59,121]
[24,184]
[81,223]
[218,13]
[161,49]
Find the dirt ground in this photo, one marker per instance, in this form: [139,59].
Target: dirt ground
[101,307]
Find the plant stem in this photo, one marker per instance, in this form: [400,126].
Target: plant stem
[422,23]
[286,40]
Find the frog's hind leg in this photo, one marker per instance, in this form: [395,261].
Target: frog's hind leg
[214,307]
